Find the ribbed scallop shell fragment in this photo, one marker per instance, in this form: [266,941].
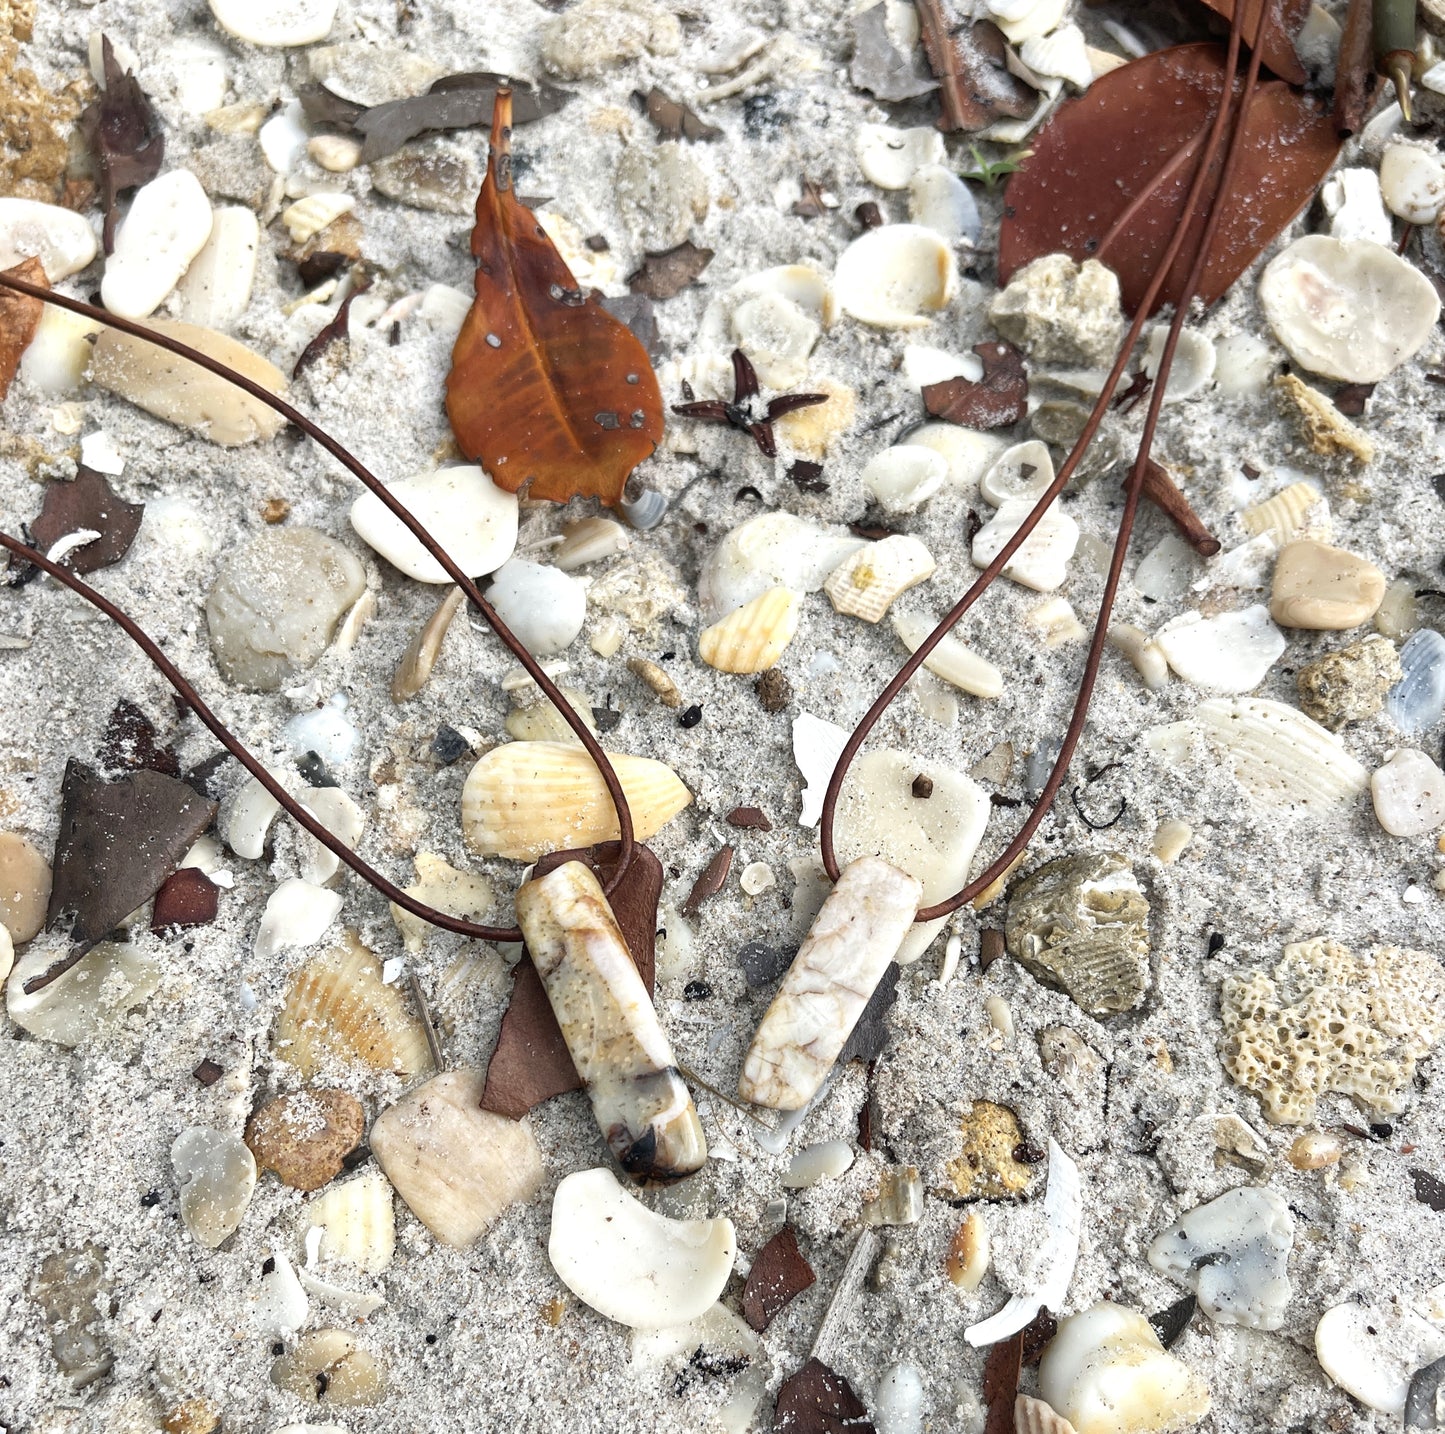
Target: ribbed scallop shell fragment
[1287,515]
[752,638]
[357,1222]
[524,799]
[1281,756]
[337,1008]
[865,583]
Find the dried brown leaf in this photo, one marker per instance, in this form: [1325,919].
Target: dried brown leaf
[673,120]
[1001,1368]
[129,743]
[779,1274]
[19,318]
[124,136]
[710,882]
[665,275]
[335,328]
[1283,21]
[87,502]
[976,87]
[816,1400]
[998,399]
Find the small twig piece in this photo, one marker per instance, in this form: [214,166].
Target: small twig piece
[1159,489]
[860,1261]
[429,1025]
[714,874]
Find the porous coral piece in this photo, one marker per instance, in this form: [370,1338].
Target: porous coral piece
[1061,312]
[1328,1021]
[987,1167]
[1327,431]
[1349,685]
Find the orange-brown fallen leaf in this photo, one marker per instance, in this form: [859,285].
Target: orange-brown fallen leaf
[19,318]
[547,390]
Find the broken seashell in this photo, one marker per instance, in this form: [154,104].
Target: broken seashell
[1409,794]
[524,799]
[967,451]
[923,364]
[1230,652]
[771,550]
[752,638]
[1347,309]
[1137,646]
[1243,364]
[825,1161]
[307,217]
[335,153]
[337,1008]
[55,360]
[589,540]
[950,659]
[899,1200]
[279,1307]
[542,722]
[1416,701]
[721,1340]
[1023,472]
[1372,1349]
[968,1252]
[275,24]
[1398,614]
[1056,621]
[1325,429]
[890,157]
[1063,54]
[904,477]
[340,815]
[1042,562]
[216,289]
[1024,20]
[423,650]
[356,1222]
[631,1265]
[1280,756]
[109,980]
[850,944]
[1315,1150]
[1170,839]
[1352,199]
[1052,1266]
[167,225]
[456,1165]
[458,893]
[933,838]
[62,240]
[1193,368]
[939,200]
[896,276]
[1106,1372]
[608,1022]
[865,583]
[296,914]
[775,317]
[248,816]
[1033,1416]
[306,1136]
[810,432]
[179,392]
[215,1174]
[545,608]
[817,745]
[1412,181]
[1293,512]
[329,1367]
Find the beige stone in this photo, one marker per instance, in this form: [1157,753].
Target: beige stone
[24,887]
[1349,685]
[456,1165]
[1317,586]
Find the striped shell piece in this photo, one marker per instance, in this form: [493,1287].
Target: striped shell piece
[357,1222]
[752,638]
[337,1008]
[866,582]
[524,799]
[1287,515]
[1281,756]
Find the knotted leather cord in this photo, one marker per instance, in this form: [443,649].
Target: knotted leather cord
[1132,495]
[223,734]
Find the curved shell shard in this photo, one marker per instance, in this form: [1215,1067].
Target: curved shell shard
[754,636]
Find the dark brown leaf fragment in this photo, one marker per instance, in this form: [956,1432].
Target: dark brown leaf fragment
[129,743]
[1282,23]
[87,502]
[1355,77]
[208,1072]
[187,898]
[530,1063]
[19,318]
[124,135]
[975,86]
[869,215]
[990,947]
[665,275]
[814,202]
[1351,398]
[1037,1333]
[750,818]
[780,1273]
[713,877]
[808,476]
[1429,1189]
[673,120]
[317,267]
[1001,1369]
[879,66]
[336,328]
[997,400]
[816,1400]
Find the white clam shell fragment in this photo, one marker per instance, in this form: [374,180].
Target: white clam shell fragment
[1347,309]
[62,240]
[1416,701]
[938,199]
[848,947]
[109,980]
[1063,54]
[1280,756]
[950,659]
[1372,1350]
[1412,181]
[1243,364]
[904,477]
[1409,794]
[341,816]
[1194,361]
[865,583]
[297,914]
[817,745]
[248,815]
[167,225]
[631,1265]
[775,317]
[1230,652]
[276,23]
[55,360]
[589,540]
[896,277]
[1051,1267]
[773,550]
[1042,562]
[1233,1252]
[216,289]
[1022,472]
[890,157]
[543,606]
[475,521]
[1352,199]
[279,1305]
[356,1221]
[967,451]
[923,364]
[1106,1372]
[716,1334]
[216,1174]
[610,1026]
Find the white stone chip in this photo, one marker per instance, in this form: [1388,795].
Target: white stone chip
[63,241]
[167,226]
[276,24]
[1409,794]
[297,914]
[216,289]
[543,606]
[1230,652]
[1042,562]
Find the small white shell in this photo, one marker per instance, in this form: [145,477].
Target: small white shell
[283,138]
[950,660]
[896,276]
[1348,310]
[1063,54]
[904,477]
[1230,652]
[335,153]
[297,914]
[279,1306]
[825,1161]
[1021,472]
[1412,180]
[1042,563]
[1409,794]
[545,608]
[1243,363]
[756,878]
[1023,20]
[1372,1350]
[1148,661]
[340,815]
[938,199]
[167,225]
[309,216]
[967,451]
[923,364]
[1351,197]
[865,583]
[968,1252]
[752,638]
[638,1268]
[357,1222]
[890,157]
[796,301]
[275,23]
[1281,756]
[817,745]
[589,540]
[1194,360]
[1056,622]
[107,981]
[769,551]
[216,288]
[777,336]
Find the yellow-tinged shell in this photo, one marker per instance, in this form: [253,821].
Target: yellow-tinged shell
[337,1008]
[752,639]
[1284,514]
[357,1222]
[867,581]
[524,799]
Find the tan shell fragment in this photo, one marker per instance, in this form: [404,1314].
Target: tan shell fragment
[950,659]
[356,1222]
[1287,515]
[865,583]
[524,799]
[337,1008]
[1280,756]
[968,1252]
[424,649]
[752,638]
[1033,1416]
[179,392]
[1327,431]
[309,216]
[353,1378]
